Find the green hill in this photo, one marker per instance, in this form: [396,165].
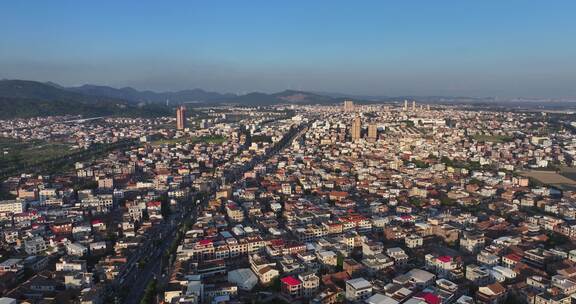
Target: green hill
[20,98]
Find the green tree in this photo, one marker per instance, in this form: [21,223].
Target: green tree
[149,293]
[165,209]
[145,215]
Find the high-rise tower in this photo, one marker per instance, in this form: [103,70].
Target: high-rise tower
[181,118]
[348,106]
[372,132]
[356,128]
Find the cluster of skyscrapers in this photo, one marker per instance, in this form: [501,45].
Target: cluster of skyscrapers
[372,136]
[348,106]
[356,130]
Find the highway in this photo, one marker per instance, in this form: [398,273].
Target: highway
[152,268]
[134,279]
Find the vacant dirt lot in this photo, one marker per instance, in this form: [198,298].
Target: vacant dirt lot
[549,177]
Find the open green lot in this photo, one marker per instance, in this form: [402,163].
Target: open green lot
[16,153]
[213,139]
[492,138]
[43,157]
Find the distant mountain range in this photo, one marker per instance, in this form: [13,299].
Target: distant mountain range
[258,98]
[23,98]
[127,93]
[201,96]
[284,97]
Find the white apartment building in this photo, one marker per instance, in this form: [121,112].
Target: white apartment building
[358,289]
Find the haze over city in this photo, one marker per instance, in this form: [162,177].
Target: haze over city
[287,152]
[384,48]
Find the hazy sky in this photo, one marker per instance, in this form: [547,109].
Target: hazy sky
[476,48]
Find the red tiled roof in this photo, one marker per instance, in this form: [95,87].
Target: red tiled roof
[429,298]
[290,280]
[339,193]
[496,288]
[277,242]
[205,242]
[445,259]
[514,257]
[154,204]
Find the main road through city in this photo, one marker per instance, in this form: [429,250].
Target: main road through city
[137,279]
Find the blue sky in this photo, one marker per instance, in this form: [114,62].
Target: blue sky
[473,48]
